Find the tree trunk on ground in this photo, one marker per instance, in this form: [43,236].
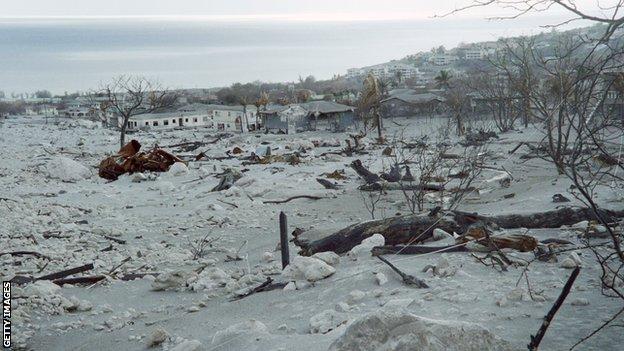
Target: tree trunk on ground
[414,229]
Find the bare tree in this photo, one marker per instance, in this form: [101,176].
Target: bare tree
[428,164]
[129,96]
[581,134]
[458,102]
[496,91]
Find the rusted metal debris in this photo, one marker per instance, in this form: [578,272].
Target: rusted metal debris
[130,159]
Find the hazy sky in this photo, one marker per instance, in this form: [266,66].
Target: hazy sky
[290,9]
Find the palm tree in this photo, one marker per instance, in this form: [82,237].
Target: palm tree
[443,79]
[370,102]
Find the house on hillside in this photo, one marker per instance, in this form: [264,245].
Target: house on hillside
[315,115]
[408,103]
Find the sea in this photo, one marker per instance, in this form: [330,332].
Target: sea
[67,55]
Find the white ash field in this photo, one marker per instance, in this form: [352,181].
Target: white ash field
[54,203]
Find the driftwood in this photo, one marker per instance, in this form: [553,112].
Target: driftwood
[407,279]
[367,175]
[414,229]
[311,197]
[535,340]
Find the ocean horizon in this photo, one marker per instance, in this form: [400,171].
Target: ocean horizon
[66,55]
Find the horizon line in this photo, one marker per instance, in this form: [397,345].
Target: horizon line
[293,17]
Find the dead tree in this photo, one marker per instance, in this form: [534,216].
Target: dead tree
[129,96]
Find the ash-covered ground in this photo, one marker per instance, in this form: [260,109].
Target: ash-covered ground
[153,225]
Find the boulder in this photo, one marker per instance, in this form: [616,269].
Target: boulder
[391,329]
[67,170]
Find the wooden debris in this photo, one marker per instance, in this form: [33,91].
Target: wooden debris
[311,197]
[367,175]
[537,338]
[416,228]
[130,160]
[79,280]
[327,184]
[415,249]
[21,253]
[268,285]
[407,279]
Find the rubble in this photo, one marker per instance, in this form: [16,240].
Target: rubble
[130,159]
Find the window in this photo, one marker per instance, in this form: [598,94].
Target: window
[155,124]
[186,120]
[173,121]
[129,124]
[166,122]
[147,123]
[195,119]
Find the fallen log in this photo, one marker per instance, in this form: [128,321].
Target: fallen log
[414,229]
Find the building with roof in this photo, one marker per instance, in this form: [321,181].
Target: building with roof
[408,103]
[219,117]
[314,115]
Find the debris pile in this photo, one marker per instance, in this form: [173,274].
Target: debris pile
[130,160]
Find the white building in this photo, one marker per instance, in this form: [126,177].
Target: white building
[218,117]
[167,120]
[386,70]
[442,59]
[476,54]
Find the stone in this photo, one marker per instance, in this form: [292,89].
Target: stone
[329,257]
[178,169]
[158,336]
[380,278]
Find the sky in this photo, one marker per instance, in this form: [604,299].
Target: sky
[249,9]
[68,45]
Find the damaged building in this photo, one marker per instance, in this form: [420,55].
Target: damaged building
[408,103]
[315,115]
